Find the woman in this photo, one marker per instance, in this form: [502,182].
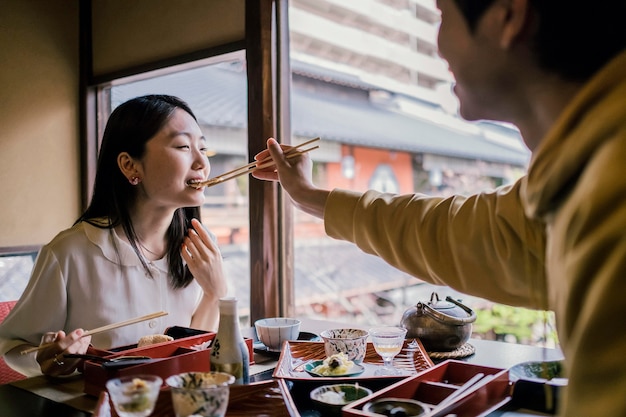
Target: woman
[139,248]
[554,240]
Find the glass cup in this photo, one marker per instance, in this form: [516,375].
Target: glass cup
[200,393]
[388,342]
[134,396]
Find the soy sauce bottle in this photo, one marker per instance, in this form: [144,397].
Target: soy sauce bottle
[229,352]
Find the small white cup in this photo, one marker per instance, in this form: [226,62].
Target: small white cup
[276,330]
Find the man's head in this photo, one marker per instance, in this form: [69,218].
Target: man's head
[573,38]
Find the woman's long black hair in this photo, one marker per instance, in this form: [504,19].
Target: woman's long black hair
[128,129]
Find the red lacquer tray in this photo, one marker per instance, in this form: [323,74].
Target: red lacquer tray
[267,398]
[169,358]
[431,387]
[295,354]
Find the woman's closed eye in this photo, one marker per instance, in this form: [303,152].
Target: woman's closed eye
[203,150]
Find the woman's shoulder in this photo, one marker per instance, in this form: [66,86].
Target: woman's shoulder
[68,234]
[75,236]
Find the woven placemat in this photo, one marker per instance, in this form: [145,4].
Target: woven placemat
[461,352]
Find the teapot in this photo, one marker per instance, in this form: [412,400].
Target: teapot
[441,326]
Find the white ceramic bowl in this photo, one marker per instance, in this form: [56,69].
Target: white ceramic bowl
[352,342]
[329,399]
[274,331]
[406,406]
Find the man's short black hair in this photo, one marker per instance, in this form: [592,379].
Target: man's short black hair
[473,10]
[573,38]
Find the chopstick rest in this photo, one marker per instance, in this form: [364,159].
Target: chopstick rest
[124,363]
[112,363]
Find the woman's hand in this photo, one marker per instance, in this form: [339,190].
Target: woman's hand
[204,260]
[51,360]
[295,175]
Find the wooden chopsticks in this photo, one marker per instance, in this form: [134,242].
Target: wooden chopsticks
[103,329]
[444,404]
[252,166]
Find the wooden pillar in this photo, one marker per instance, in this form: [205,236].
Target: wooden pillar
[267,58]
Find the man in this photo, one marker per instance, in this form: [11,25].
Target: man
[556,239]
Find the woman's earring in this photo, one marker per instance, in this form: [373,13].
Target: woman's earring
[134,180]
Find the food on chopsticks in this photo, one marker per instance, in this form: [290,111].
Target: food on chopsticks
[151,339]
[337,364]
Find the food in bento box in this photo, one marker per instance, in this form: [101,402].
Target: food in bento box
[153,338]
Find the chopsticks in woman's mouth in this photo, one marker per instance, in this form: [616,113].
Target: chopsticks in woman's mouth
[103,329]
[254,166]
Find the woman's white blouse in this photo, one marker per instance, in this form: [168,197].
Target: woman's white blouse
[88,277]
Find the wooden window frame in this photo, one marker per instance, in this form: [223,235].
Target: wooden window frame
[266,45]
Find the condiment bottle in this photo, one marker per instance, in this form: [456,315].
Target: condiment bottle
[229,352]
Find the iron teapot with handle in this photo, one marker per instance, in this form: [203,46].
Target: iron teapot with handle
[441,325]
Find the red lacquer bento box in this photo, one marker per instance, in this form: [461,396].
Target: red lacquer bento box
[167,358]
[432,386]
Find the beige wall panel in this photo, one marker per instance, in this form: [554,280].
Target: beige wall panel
[130,33]
[39,156]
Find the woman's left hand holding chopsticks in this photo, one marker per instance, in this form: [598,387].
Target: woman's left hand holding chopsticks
[55,344]
[50,358]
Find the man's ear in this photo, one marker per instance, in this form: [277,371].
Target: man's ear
[127,165]
[515,18]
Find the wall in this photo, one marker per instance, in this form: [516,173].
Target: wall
[39,76]
[39,146]
[151,30]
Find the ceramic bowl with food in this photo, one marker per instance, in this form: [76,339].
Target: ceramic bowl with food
[200,393]
[539,370]
[329,399]
[273,332]
[352,342]
[396,407]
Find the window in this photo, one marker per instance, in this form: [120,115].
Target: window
[383,130]
[216,93]
[15,269]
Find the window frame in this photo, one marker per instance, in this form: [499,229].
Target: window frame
[266,46]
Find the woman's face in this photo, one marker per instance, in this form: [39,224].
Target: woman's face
[475,60]
[175,156]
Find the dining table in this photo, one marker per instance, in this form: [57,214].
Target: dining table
[43,396]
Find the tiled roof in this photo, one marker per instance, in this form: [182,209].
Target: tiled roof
[217,95]
[323,272]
